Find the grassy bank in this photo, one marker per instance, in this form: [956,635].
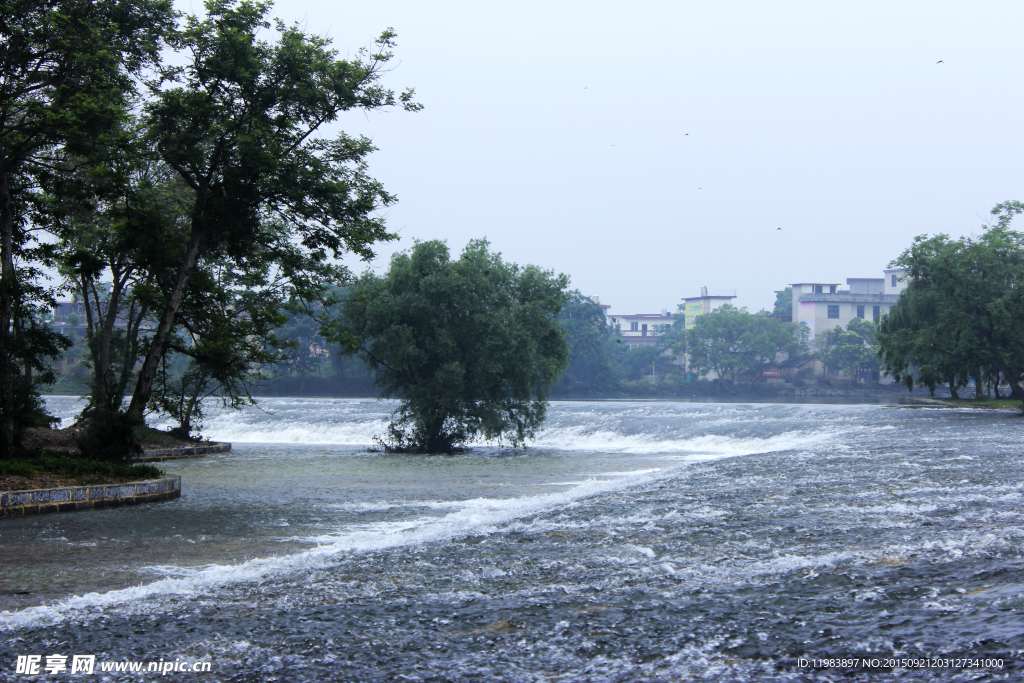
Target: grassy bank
[995,403]
[50,469]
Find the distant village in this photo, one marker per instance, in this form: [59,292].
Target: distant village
[821,306]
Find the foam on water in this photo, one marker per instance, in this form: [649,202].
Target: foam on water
[576,438]
[357,423]
[482,515]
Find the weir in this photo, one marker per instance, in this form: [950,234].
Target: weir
[631,541]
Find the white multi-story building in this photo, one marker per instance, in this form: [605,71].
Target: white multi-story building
[822,306]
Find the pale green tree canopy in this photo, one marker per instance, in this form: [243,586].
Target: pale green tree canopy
[851,349]
[591,346]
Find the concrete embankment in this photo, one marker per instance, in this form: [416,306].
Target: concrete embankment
[186,452]
[70,498]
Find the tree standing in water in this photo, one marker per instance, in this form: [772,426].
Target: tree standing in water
[470,347]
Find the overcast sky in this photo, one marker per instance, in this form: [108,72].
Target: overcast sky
[650,148]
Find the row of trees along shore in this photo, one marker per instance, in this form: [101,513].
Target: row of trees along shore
[961,317]
[473,347]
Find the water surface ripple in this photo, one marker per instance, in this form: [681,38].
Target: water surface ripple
[632,541]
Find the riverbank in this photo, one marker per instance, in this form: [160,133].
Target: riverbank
[52,460]
[985,403]
[71,498]
[66,439]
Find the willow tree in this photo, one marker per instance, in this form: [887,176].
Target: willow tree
[470,346]
[238,123]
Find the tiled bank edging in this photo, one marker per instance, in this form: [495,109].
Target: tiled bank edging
[66,499]
[190,452]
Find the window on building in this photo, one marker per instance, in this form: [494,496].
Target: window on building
[634,326]
[817,289]
[860,311]
[644,327]
[831,289]
[894,279]
[833,310]
[876,313]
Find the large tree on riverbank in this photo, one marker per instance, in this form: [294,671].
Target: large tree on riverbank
[66,75]
[469,346]
[962,313]
[238,124]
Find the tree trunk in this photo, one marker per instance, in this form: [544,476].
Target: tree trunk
[106,334]
[1016,391]
[6,309]
[99,398]
[952,389]
[144,387]
[131,347]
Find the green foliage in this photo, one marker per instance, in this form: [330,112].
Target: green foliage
[66,76]
[784,302]
[62,465]
[118,218]
[647,362]
[208,205]
[238,123]
[962,312]
[852,350]
[728,341]
[591,370]
[110,437]
[471,347]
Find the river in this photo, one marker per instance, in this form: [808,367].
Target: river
[632,541]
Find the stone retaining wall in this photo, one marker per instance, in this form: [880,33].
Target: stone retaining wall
[173,453]
[20,503]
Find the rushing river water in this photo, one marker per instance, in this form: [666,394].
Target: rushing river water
[631,542]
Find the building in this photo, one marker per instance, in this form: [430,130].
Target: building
[822,305]
[640,329]
[694,306]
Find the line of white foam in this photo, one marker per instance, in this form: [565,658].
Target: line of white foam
[475,516]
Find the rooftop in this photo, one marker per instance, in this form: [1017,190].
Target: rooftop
[852,297]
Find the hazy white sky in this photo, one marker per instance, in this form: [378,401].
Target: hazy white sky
[649,148]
